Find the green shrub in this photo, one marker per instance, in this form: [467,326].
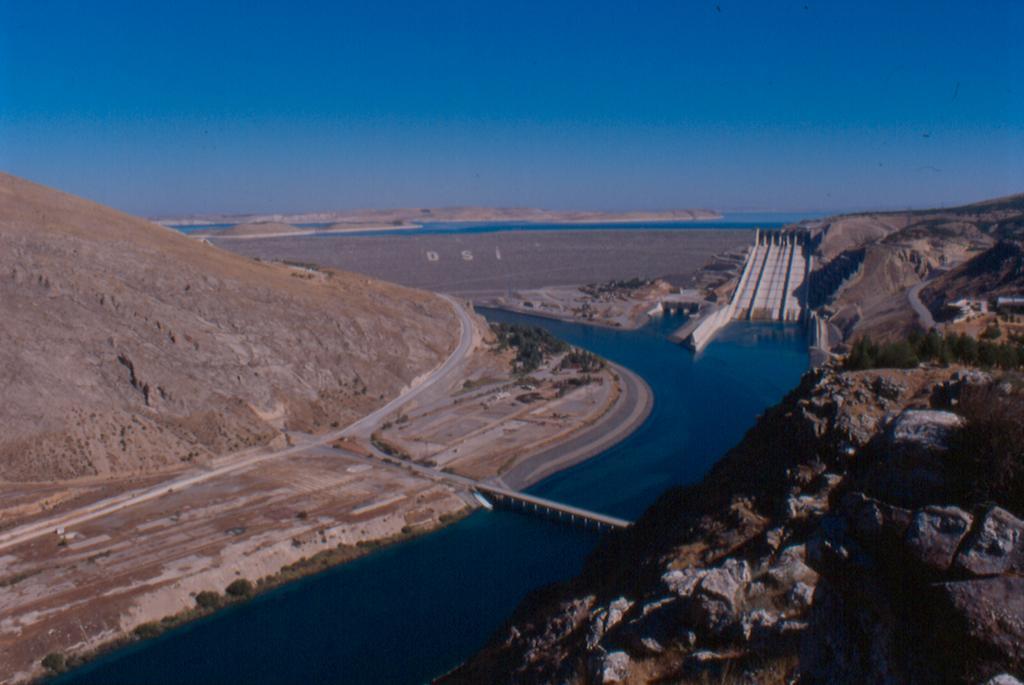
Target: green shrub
[207,599]
[239,588]
[146,631]
[866,354]
[531,344]
[55,662]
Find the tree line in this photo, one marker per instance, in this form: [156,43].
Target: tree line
[935,347]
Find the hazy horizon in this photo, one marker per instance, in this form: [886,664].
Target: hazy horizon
[730,106]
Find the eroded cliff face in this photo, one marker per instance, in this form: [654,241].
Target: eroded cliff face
[128,348]
[867,529]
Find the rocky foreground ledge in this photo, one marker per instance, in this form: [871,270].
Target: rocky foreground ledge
[868,529]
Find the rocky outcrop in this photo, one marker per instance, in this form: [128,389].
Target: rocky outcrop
[835,544]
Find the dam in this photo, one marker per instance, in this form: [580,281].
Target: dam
[773,286]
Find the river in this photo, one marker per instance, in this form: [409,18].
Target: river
[410,612]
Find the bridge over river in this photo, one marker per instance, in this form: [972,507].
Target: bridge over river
[561,511]
[499,494]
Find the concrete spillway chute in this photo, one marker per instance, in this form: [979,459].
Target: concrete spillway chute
[771,287]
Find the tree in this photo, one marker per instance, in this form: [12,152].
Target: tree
[55,662]
[239,588]
[207,599]
[930,346]
[145,631]
[863,354]
[897,355]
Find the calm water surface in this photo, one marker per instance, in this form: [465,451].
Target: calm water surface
[729,220]
[413,611]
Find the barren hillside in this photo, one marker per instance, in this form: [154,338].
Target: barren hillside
[895,251]
[126,347]
[996,271]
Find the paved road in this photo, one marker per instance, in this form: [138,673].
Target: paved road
[360,428]
[366,425]
[924,316]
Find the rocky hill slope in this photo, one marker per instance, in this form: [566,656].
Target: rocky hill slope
[126,347]
[891,252]
[867,529]
[997,271]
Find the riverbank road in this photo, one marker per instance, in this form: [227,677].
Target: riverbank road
[361,428]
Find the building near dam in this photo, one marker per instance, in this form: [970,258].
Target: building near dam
[773,286]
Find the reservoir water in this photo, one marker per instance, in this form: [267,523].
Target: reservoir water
[767,220]
[413,611]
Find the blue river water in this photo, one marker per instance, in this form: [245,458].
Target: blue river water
[767,220]
[410,612]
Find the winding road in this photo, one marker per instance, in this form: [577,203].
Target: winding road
[361,428]
[923,314]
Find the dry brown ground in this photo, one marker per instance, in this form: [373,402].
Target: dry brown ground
[127,348]
[103,578]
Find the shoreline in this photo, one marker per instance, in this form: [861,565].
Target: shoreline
[526,311]
[633,406]
[303,232]
[653,217]
[305,568]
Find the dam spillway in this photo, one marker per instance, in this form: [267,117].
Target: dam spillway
[772,286]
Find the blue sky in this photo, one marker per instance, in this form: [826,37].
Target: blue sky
[182,107]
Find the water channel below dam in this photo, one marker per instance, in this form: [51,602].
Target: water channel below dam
[410,612]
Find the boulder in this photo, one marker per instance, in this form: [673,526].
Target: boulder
[834,552]
[924,428]
[658,625]
[800,596]
[993,611]
[757,625]
[614,668]
[789,566]
[888,389]
[606,619]
[935,534]
[1002,679]
[714,605]
[802,506]
[995,547]
[873,522]
[723,582]
[683,582]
